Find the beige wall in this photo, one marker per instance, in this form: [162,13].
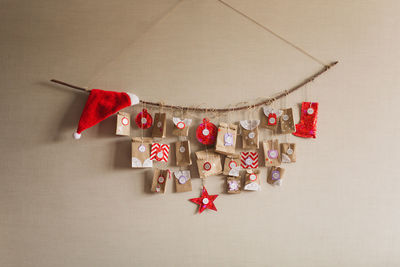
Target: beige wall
[69,203]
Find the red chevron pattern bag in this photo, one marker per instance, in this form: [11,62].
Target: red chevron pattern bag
[159,152]
[249,160]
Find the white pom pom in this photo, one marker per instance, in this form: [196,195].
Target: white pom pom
[134,99]
[77,136]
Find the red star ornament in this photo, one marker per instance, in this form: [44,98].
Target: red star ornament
[205,201]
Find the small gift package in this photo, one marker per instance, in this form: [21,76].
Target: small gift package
[270,118]
[141,152]
[232,165]
[159,126]
[182,151]
[252,180]
[250,133]
[208,163]
[271,153]
[234,184]
[286,121]
[275,176]
[123,124]
[160,178]
[183,183]
[226,139]
[159,152]
[288,152]
[181,126]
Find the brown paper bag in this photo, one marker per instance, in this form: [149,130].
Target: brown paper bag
[183,183]
[123,124]
[252,180]
[160,179]
[234,184]
[159,125]
[275,176]
[181,126]
[226,139]
[208,163]
[270,118]
[141,152]
[288,152]
[250,133]
[182,150]
[286,121]
[271,153]
[232,165]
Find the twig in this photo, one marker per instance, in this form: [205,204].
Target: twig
[265,102]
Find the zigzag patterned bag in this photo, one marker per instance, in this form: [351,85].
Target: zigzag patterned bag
[159,152]
[249,160]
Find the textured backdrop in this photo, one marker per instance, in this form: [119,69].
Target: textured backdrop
[77,203]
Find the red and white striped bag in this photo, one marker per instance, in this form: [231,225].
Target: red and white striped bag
[249,160]
[159,152]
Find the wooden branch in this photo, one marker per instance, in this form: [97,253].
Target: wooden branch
[265,102]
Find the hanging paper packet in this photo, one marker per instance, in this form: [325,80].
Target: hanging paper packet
[232,165]
[183,183]
[160,179]
[123,124]
[226,138]
[249,160]
[181,126]
[286,121]
[182,150]
[270,118]
[159,152]
[233,184]
[250,133]
[252,180]
[141,152]
[288,152]
[307,127]
[159,125]
[272,153]
[208,163]
[275,176]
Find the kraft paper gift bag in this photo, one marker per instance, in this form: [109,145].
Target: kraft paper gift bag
[270,118]
[233,185]
[208,163]
[288,152]
[286,121]
[182,151]
[183,183]
[252,180]
[226,139]
[181,126]
[275,176]
[232,165]
[141,152]
[250,133]
[159,125]
[123,124]
[271,153]
[160,179]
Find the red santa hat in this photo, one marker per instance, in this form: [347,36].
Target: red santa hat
[101,105]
